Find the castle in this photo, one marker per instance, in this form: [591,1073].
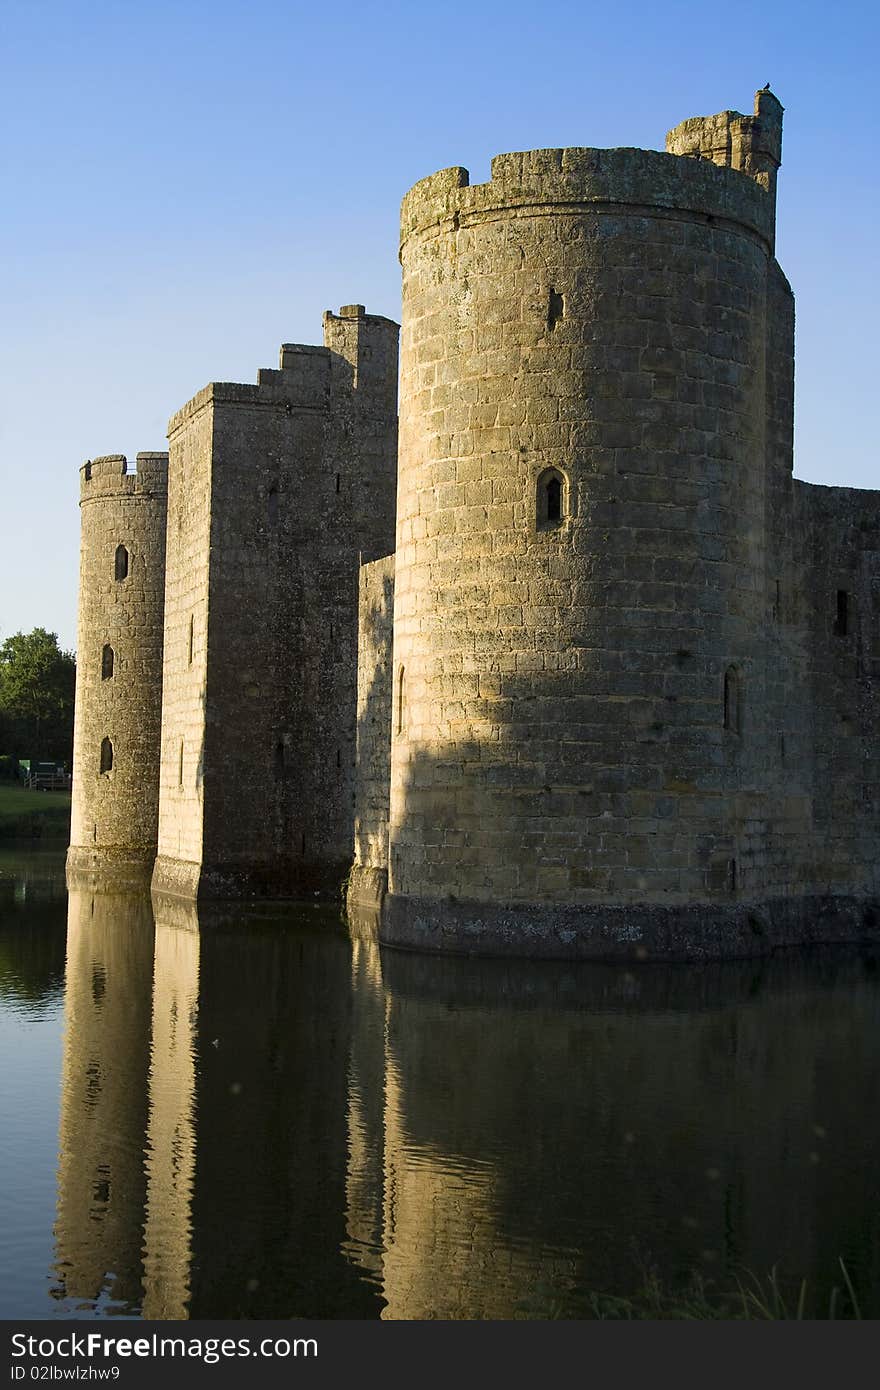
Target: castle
[578,668]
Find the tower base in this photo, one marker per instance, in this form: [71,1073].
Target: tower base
[181,878]
[638,932]
[110,869]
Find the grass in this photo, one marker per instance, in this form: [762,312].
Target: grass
[33,815]
[763,1299]
[751,1298]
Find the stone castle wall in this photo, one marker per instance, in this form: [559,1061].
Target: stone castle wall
[609,688]
[841,606]
[368,878]
[602,314]
[611,727]
[190,500]
[114,814]
[277,491]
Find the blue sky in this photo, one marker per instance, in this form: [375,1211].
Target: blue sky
[188,185]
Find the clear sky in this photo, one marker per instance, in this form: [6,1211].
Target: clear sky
[187,185]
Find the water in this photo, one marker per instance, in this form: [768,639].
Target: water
[252,1115]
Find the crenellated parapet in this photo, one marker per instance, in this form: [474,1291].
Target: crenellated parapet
[357,365]
[112,475]
[750,144]
[627,179]
[369,343]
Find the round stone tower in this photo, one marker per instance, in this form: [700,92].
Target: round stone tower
[114,816]
[577,742]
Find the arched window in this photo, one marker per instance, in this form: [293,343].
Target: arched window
[401,700]
[180,766]
[191,630]
[107,660]
[550,500]
[120,568]
[732,700]
[554,500]
[106,755]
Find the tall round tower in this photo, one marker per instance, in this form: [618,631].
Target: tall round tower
[577,747]
[114,817]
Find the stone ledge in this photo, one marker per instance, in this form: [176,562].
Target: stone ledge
[180,878]
[175,878]
[108,870]
[366,889]
[650,932]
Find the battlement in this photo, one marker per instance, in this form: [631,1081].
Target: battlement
[356,314]
[622,177]
[303,377]
[368,342]
[112,475]
[750,144]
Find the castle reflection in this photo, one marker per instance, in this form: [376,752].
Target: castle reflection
[204,1093]
[101,1180]
[265,1117]
[550,1132]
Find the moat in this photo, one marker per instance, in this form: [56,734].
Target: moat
[259,1114]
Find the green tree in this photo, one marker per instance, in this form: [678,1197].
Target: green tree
[37,682]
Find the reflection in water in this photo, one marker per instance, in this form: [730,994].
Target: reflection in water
[31,944]
[171,1131]
[364,1183]
[546,1129]
[247,1158]
[425,1196]
[103,1101]
[263,1118]
[424,1219]
[33,924]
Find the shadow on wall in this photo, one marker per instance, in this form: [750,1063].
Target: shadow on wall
[571,783]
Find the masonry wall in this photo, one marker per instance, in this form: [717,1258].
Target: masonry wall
[842,526]
[186,638]
[293,481]
[115,806]
[563,743]
[777,854]
[369,875]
